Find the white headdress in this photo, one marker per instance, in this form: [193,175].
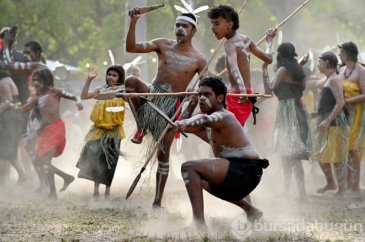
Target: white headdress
[137,61]
[188,9]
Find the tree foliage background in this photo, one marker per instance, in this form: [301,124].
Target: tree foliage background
[80,32]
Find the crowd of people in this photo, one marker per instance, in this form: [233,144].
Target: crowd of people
[332,135]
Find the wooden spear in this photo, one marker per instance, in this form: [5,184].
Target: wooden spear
[285,20]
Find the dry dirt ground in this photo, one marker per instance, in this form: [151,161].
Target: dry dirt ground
[76,216]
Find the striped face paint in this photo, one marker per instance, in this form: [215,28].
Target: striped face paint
[206,100]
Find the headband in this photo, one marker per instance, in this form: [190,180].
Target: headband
[190,20]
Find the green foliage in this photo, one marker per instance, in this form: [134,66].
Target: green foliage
[80,32]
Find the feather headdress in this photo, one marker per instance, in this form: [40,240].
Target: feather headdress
[189,9]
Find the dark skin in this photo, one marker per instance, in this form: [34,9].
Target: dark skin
[178,63]
[354,72]
[225,132]
[237,48]
[50,112]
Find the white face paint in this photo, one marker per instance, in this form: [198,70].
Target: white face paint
[205,100]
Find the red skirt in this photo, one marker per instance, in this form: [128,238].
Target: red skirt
[51,136]
[241,111]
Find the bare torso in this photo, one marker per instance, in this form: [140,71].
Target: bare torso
[229,140]
[49,106]
[8,89]
[177,65]
[238,47]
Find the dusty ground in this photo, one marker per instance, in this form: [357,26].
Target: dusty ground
[75,216]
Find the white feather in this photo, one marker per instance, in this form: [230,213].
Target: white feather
[136,60]
[126,66]
[187,6]
[280,37]
[180,9]
[111,56]
[200,9]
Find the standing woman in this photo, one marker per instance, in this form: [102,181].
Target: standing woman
[291,126]
[332,129]
[99,156]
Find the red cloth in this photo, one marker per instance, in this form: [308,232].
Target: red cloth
[241,111]
[51,136]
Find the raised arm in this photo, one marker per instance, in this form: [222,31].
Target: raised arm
[85,93]
[131,45]
[271,85]
[266,56]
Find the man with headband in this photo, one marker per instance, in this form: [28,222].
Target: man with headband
[178,62]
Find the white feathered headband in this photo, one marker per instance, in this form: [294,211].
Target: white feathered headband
[188,9]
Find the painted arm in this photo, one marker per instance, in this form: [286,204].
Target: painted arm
[267,56]
[197,123]
[233,67]
[72,97]
[337,90]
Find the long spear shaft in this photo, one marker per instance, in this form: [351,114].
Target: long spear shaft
[285,20]
[134,184]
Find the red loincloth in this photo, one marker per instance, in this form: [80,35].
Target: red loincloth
[241,111]
[51,136]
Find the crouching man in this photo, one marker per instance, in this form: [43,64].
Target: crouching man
[236,169]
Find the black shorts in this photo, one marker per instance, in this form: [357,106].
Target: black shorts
[242,178]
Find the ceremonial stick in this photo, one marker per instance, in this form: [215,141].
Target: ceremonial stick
[157,144]
[107,96]
[285,20]
[146,9]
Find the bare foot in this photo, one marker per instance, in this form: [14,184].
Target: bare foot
[67,182]
[326,188]
[254,215]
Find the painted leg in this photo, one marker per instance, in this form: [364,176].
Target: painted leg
[194,187]
[161,178]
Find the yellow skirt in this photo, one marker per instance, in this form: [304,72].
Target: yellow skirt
[332,146]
